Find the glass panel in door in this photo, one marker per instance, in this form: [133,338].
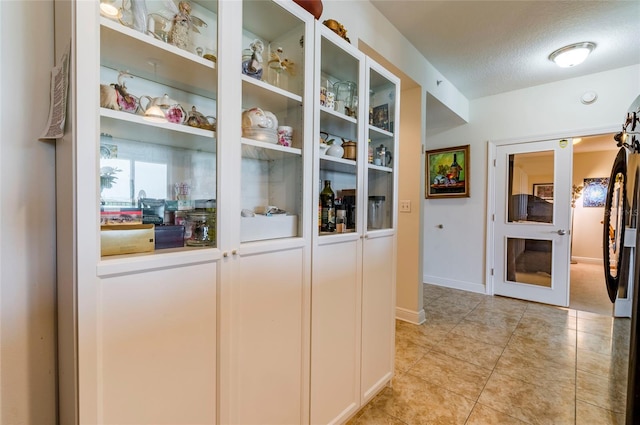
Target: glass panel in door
[273,81]
[532,212]
[381,147]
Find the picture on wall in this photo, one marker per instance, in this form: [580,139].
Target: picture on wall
[447,172]
[594,193]
[543,191]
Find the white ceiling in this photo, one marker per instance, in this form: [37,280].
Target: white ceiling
[490,47]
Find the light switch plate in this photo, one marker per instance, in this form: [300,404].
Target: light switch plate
[405,206]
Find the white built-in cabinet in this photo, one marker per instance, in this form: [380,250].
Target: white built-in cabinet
[353,278]
[222,333]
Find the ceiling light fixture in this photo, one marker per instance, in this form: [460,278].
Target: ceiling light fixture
[577,140]
[572,55]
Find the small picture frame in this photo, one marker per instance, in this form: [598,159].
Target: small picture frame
[381,117]
[543,191]
[447,172]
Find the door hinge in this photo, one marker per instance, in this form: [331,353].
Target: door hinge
[494,162]
[493,217]
[491,272]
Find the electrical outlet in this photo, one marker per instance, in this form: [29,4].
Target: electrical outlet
[405,206]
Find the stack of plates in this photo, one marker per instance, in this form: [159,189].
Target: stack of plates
[268,135]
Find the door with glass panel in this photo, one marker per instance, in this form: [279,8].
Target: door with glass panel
[532,221]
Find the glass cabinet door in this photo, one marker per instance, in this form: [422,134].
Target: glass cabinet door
[381,160]
[273,123]
[340,85]
[158,109]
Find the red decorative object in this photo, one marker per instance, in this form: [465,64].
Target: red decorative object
[312,6]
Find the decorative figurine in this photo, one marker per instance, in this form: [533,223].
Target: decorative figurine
[277,64]
[252,65]
[337,27]
[116,97]
[182,23]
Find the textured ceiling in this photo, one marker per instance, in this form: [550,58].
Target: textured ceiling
[490,47]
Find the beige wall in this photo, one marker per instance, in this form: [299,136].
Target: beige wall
[27,217]
[587,222]
[409,273]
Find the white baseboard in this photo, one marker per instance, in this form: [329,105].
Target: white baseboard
[455,284]
[415,317]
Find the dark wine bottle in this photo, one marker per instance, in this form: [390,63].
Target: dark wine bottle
[327,200]
[455,169]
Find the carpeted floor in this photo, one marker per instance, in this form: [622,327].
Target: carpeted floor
[588,291]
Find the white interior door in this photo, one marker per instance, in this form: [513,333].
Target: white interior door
[532,214]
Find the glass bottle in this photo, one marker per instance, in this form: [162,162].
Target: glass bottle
[370,157]
[454,169]
[327,200]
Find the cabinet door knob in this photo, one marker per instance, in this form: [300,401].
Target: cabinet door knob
[225,254]
[234,252]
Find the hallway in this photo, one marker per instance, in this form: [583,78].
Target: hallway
[481,360]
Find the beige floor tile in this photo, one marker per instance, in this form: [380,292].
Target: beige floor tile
[417,402]
[483,332]
[595,326]
[536,370]
[470,350]
[373,416]
[614,367]
[600,343]
[407,354]
[549,350]
[589,414]
[545,334]
[529,403]
[504,305]
[497,319]
[455,375]
[484,415]
[601,392]
[550,318]
[426,335]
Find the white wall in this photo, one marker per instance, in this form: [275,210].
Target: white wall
[27,217]
[455,255]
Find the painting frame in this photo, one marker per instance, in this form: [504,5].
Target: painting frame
[543,191]
[381,116]
[442,179]
[594,192]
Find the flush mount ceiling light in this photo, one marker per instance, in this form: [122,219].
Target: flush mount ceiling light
[572,55]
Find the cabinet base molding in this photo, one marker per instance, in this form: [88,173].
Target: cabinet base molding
[415,317]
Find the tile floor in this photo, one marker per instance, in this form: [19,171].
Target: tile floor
[481,360]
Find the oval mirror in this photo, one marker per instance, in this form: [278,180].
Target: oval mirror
[614,223]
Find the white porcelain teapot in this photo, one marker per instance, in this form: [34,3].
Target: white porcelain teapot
[172,110]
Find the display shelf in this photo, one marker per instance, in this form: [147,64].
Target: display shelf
[123,48]
[341,165]
[131,126]
[379,133]
[256,149]
[257,93]
[373,167]
[336,123]
[160,259]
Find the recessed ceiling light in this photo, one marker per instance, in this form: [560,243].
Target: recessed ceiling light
[572,55]
[577,140]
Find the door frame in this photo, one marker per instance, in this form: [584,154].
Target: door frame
[491,195]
